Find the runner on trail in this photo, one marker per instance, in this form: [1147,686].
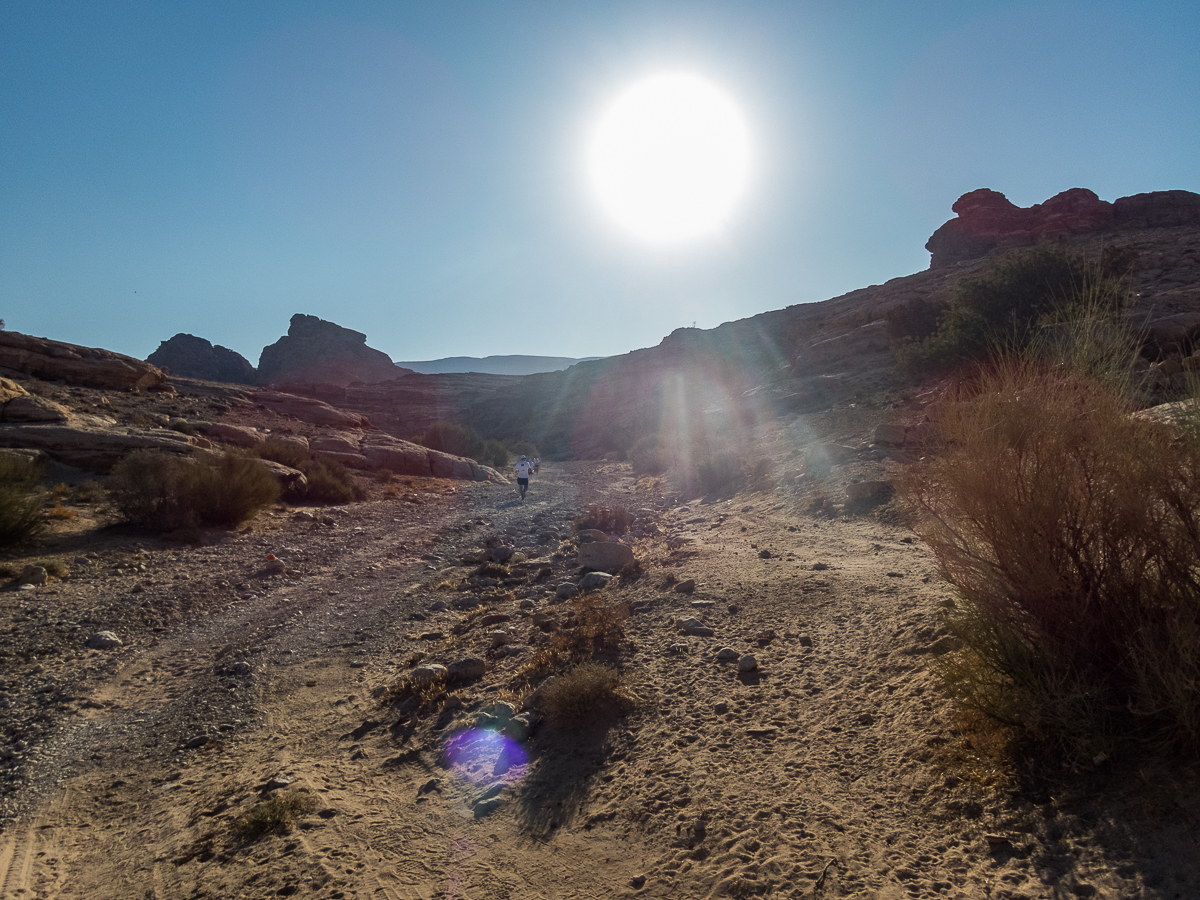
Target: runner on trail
[523,468]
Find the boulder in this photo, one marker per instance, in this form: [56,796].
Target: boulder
[594,581]
[93,448]
[10,390]
[314,350]
[467,669]
[401,457]
[238,435]
[103,640]
[87,366]
[285,475]
[335,443]
[350,460]
[606,557]
[194,357]
[315,412]
[30,408]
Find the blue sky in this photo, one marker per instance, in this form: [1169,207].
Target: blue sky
[413,170]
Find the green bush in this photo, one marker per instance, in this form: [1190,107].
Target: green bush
[1001,308]
[457,440]
[21,500]
[1071,531]
[168,493]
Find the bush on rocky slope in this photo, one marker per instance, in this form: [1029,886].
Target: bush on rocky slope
[167,493]
[21,515]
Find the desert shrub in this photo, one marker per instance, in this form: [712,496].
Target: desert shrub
[912,321]
[717,472]
[598,627]
[581,694]
[55,568]
[90,492]
[458,440]
[287,454]
[1071,531]
[167,493]
[523,448]
[21,500]
[492,453]
[609,519]
[1003,305]
[329,482]
[275,815]
[648,456]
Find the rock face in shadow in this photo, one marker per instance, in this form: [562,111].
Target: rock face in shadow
[194,357]
[315,352]
[55,361]
[988,221]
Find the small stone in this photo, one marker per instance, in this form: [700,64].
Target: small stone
[429,673]
[276,566]
[594,581]
[565,591]
[467,668]
[195,742]
[804,640]
[438,606]
[820,566]
[721,708]
[686,587]
[765,636]
[103,640]
[498,639]
[32,575]
[278,781]
[637,881]
[747,663]
[725,654]
[764,554]
[241,669]
[694,627]
[526,604]
[486,807]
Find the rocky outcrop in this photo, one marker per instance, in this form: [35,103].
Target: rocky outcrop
[85,366]
[194,357]
[305,409]
[1158,209]
[317,352]
[92,447]
[988,221]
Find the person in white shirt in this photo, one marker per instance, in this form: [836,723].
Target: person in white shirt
[523,469]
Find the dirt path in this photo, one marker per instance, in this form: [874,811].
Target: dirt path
[815,775]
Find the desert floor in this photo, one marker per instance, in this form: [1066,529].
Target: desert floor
[836,769]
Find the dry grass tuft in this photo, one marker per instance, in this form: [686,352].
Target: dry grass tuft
[609,519]
[275,815]
[584,693]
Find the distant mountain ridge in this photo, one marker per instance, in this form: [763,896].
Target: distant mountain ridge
[514,364]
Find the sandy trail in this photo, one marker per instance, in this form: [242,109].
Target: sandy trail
[815,776]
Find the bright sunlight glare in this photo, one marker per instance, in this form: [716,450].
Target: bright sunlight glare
[669,158]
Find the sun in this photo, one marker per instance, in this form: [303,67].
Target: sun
[669,158]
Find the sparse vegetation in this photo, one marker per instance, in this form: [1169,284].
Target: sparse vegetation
[1003,307]
[1071,531]
[609,519]
[55,568]
[275,815]
[21,500]
[462,440]
[328,482]
[167,493]
[598,626]
[582,694]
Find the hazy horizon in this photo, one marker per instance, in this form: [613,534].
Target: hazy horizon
[420,172]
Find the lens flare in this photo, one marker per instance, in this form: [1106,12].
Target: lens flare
[481,756]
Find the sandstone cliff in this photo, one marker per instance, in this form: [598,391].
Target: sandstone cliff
[316,352]
[194,357]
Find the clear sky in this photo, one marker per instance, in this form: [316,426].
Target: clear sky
[415,170]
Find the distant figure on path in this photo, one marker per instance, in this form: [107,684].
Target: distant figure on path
[523,468]
[537,464]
